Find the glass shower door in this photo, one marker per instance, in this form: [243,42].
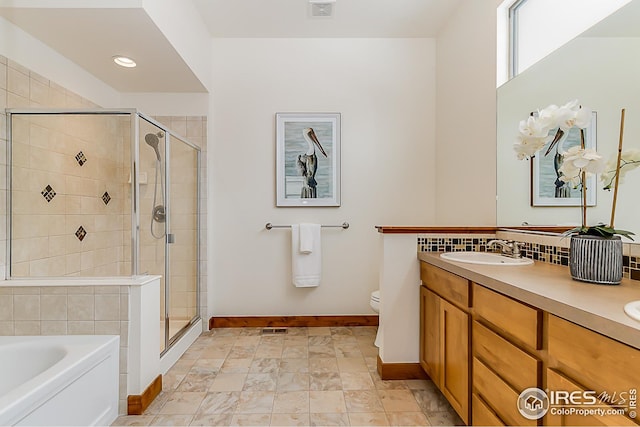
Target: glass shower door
[183,235]
[168,194]
[152,194]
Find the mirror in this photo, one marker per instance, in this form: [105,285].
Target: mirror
[600,68]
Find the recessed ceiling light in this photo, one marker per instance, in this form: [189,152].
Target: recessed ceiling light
[124,61]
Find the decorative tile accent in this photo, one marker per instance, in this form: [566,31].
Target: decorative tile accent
[81,159]
[81,233]
[543,253]
[106,198]
[48,193]
[546,253]
[454,244]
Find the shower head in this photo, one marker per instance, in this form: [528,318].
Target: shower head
[153,140]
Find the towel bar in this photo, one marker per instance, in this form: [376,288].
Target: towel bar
[344,225]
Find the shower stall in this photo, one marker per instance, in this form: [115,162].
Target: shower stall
[103,193]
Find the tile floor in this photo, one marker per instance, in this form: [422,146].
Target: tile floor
[308,377]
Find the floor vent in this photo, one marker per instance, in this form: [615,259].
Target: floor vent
[274,331]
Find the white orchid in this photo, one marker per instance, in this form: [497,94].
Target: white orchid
[534,132]
[528,146]
[577,160]
[629,160]
[548,117]
[533,127]
[533,136]
[572,114]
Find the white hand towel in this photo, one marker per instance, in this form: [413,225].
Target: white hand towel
[307,236]
[306,267]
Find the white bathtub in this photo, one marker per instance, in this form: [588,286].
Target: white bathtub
[59,380]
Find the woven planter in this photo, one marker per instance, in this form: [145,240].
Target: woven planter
[596,259]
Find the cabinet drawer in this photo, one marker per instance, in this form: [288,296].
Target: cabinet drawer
[515,366]
[454,289]
[514,318]
[600,363]
[556,381]
[498,395]
[482,415]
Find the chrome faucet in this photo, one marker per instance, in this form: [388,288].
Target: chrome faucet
[508,247]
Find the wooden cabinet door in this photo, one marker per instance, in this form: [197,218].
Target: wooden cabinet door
[557,381]
[454,355]
[430,333]
[483,415]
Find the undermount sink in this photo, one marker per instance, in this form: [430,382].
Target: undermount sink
[633,310]
[485,258]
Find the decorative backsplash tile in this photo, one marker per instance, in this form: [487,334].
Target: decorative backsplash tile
[106,198]
[454,244]
[546,253]
[48,193]
[81,159]
[81,233]
[551,254]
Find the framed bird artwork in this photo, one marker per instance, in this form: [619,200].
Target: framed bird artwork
[547,189]
[307,159]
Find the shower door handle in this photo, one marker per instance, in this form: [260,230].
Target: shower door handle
[171,238]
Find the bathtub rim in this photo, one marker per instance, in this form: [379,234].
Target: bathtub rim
[139,280]
[85,352]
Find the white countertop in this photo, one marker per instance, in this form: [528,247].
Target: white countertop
[551,288]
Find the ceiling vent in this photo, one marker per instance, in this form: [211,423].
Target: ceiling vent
[321,8]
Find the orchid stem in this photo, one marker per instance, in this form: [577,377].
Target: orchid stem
[584,186]
[617,177]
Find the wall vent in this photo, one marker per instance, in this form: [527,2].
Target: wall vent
[322,9]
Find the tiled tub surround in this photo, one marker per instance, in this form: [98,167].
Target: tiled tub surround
[549,248]
[91,307]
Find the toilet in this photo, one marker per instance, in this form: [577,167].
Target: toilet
[374,302]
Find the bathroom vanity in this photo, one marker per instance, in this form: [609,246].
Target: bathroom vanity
[487,333]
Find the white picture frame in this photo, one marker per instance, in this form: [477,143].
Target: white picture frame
[307,162]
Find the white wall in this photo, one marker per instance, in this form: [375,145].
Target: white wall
[30,52]
[385,90]
[399,299]
[181,24]
[466,116]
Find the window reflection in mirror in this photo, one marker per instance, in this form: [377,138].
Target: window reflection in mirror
[538,27]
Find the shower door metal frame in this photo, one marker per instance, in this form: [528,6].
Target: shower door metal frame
[169,340]
[135,116]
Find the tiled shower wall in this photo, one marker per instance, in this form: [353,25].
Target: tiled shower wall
[22,88]
[70,177]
